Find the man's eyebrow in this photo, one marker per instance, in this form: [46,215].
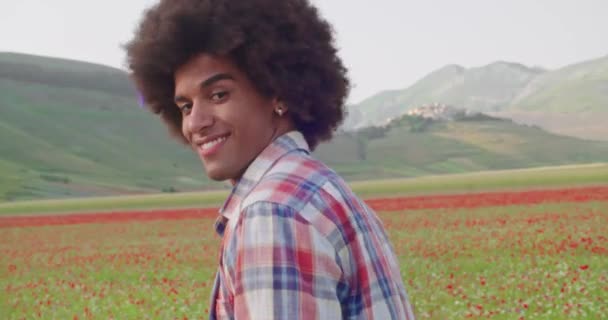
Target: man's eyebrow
[215,78]
[206,83]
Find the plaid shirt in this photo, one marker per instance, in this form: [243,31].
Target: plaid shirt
[298,244]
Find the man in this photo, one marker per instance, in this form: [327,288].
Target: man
[252,86]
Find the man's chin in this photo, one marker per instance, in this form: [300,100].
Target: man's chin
[217,174]
[216,177]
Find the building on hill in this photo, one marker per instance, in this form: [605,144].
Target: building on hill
[438,111]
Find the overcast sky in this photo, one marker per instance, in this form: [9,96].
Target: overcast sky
[386,44]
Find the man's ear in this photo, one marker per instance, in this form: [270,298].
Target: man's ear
[277,102]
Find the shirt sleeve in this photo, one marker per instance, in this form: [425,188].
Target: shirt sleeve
[285,268]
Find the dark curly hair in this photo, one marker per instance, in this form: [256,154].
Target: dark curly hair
[285,48]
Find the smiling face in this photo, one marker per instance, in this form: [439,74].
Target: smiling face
[225,119]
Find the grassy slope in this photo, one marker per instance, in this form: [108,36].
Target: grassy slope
[457,147]
[100,142]
[52,64]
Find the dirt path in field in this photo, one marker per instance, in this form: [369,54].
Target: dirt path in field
[455,201]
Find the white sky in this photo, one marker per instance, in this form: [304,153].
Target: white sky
[386,44]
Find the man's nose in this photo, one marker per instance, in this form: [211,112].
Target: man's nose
[200,118]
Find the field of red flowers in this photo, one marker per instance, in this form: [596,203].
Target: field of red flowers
[539,254]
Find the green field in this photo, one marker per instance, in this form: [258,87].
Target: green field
[510,262]
[535,261]
[593,174]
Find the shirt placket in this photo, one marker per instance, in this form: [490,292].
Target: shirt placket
[218,304]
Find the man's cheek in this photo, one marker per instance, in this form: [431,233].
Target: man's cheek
[185,131]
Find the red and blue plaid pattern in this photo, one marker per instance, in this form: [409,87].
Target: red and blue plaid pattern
[298,244]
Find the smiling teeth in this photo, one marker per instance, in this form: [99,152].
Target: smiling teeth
[210,144]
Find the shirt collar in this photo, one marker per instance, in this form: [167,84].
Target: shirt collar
[282,145]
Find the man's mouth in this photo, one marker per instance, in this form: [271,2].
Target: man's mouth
[210,147]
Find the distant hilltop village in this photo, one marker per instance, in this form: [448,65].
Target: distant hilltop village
[439,112]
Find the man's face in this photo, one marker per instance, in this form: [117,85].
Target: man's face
[225,119]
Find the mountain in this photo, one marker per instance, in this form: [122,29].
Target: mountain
[488,88]
[571,101]
[528,95]
[581,87]
[72,129]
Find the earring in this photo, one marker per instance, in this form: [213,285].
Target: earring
[279,110]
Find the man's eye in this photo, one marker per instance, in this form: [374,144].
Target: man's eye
[185,108]
[219,96]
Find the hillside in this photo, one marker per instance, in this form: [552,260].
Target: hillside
[509,90]
[64,73]
[71,137]
[62,135]
[413,146]
[571,101]
[581,87]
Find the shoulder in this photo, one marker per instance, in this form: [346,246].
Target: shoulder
[301,186]
[292,181]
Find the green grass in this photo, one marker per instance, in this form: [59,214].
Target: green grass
[595,174]
[505,262]
[120,271]
[547,177]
